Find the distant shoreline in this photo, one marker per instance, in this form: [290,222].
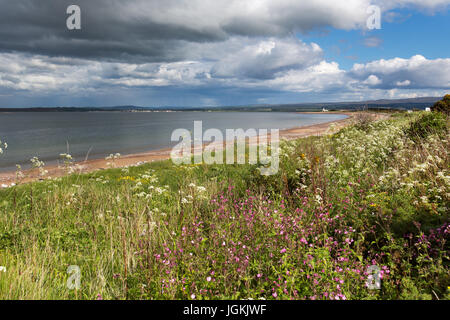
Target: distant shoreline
[8,177]
[383,104]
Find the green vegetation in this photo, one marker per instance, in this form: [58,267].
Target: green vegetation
[429,123]
[371,194]
[442,105]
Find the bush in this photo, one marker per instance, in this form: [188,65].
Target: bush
[442,105]
[429,123]
[362,120]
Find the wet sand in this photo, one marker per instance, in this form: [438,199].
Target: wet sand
[7,178]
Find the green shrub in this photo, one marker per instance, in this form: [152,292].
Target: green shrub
[442,105]
[429,123]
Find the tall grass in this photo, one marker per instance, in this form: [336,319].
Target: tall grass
[339,204]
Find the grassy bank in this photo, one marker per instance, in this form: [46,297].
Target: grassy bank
[376,193]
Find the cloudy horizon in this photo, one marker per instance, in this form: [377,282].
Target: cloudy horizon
[211,53]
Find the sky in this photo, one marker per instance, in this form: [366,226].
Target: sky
[221,52]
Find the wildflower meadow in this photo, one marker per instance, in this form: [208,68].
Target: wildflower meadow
[373,194]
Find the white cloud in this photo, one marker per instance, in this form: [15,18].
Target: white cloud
[417,70]
[284,65]
[264,17]
[258,17]
[262,59]
[237,59]
[44,74]
[403,83]
[320,77]
[372,80]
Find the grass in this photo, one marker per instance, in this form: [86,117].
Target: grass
[366,195]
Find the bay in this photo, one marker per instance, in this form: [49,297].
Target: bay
[98,134]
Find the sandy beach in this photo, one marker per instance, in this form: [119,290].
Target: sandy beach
[8,178]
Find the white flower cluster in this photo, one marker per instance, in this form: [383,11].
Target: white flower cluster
[151,190]
[36,163]
[187,199]
[419,169]
[199,189]
[101,179]
[112,157]
[363,151]
[3,146]
[65,156]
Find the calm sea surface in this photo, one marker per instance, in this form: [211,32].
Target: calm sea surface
[97,134]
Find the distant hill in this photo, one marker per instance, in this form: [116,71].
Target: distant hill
[74,109]
[398,104]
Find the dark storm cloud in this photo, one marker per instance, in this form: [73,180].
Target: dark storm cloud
[161,30]
[157,30]
[39,27]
